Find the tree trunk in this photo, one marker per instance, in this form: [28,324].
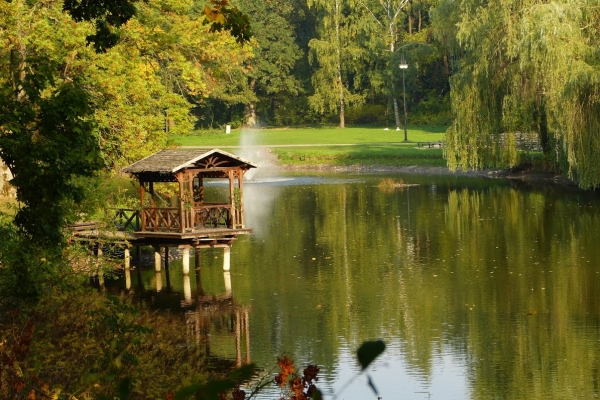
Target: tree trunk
[542,118]
[251,115]
[396,110]
[410,18]
[339,64]
[251,108]
[17,71]
[392,31]
[13,80]
[447,64]
[342,105]
[167,122]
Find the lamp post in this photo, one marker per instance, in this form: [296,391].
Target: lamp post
[403,66]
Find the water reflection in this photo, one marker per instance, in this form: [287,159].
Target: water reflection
[480,288]
[214,320]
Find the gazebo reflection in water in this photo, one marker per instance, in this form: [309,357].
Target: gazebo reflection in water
[215,321]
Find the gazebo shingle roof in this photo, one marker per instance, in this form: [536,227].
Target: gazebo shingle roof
[169,161]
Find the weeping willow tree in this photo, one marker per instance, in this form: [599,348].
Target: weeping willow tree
[526,66]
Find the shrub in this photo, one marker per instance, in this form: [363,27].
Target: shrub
[367,114]
[83,343]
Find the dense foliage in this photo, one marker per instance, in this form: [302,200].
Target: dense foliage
[90,85]
[75,99]
[80,343]
[151,69]
[336,61]
[524,66]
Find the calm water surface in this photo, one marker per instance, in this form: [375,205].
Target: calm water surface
[481,289]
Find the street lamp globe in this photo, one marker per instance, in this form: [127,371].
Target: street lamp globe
[403,64]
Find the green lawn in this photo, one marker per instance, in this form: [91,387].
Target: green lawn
[299,136]
[367,154]
[331,145]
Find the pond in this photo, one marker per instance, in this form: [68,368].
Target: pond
[480,288]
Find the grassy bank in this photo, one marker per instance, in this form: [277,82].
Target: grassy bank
[393,155]
[331,145]
[305,136]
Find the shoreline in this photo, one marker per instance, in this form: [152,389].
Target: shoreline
[524,175]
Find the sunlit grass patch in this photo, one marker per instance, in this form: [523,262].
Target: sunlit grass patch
[393,155]
[326,135]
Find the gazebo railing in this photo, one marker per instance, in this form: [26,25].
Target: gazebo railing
[157,219]
[212,215]
[204,216]
[125,219]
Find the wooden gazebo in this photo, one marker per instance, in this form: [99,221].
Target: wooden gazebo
[191,217]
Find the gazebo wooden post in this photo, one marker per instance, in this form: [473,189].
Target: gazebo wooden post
[200,188]
[181,209]
[153,204]
[142,193]
[241,187]
[231,176]
[152,199]
[190,188]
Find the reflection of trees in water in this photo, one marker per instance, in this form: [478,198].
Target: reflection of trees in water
[217,323]
[223,318]
[495,276]
[436,272]
[528,296]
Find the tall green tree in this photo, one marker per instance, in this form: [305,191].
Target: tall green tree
[526,66]
[270,74]
[337,55]
[47,137]
[168,60]
[388,35]
[387,17]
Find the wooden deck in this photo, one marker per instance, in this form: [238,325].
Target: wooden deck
[200,234]
[196,238]
[129,226]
